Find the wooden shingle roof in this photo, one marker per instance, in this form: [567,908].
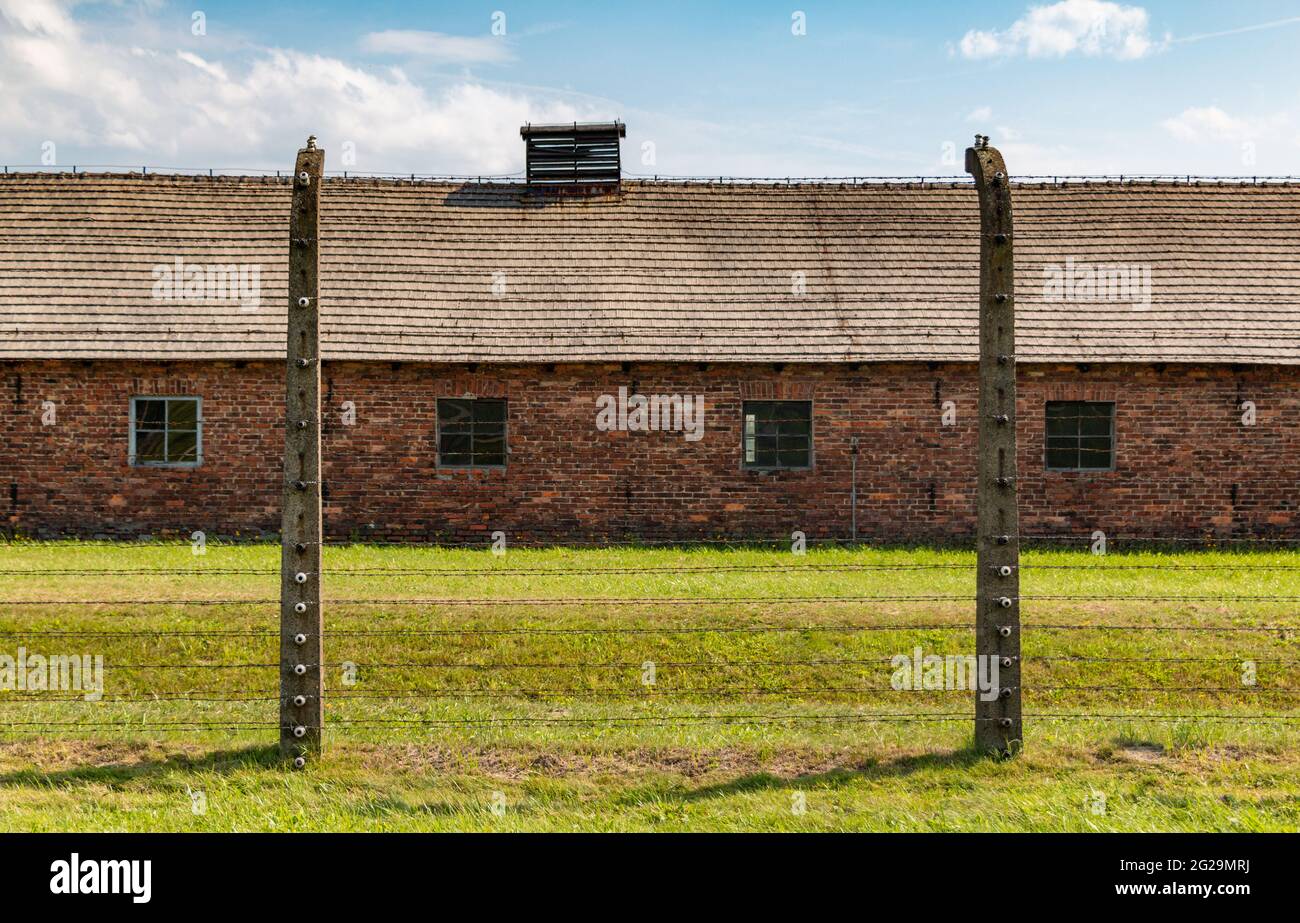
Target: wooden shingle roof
[662,271]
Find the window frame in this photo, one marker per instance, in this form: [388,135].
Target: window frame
[131,458]
[505,435]
[1112,435]
[754,466]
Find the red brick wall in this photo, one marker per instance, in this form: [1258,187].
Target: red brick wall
[1185,464]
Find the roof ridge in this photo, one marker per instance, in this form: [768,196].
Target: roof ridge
[145,175]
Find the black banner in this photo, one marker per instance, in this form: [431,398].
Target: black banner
[352,871]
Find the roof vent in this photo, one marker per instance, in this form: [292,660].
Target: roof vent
[577,157]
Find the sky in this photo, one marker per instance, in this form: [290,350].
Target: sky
[727,88]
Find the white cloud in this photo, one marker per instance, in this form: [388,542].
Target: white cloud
[454,49]
[1087,27]
[980,114]
[96,91]
[1210,124]
[45,17]
[1205,124]
[214,70]
[976,44]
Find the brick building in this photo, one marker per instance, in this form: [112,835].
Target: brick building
[664,360]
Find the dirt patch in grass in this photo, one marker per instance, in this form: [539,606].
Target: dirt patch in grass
[1141,753]
[515,763]
[693,764]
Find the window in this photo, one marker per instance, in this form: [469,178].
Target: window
[1080,435]
[471,433]
[778,434]
[166,431]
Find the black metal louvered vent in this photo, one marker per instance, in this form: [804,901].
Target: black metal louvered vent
[575,156]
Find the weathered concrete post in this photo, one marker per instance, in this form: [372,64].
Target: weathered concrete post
[301,619]
[997,619]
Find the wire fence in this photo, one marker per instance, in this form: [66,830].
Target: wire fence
[518,177]
[502,647]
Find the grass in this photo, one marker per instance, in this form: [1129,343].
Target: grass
[741,730]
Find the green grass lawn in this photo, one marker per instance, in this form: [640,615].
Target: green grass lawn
[769,710]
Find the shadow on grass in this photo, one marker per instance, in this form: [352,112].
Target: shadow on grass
[869,770]
[220,761]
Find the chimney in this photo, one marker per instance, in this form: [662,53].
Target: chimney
[575,158]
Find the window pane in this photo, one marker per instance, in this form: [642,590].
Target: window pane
[765,443]
[450,411]
[761,410]
[490,450]
[489,411]
[182,447]
[152,414]
[1095,426]
[182,414]
[150,447]
[794,459]
[456,444]
[1061,458]
[1094,453]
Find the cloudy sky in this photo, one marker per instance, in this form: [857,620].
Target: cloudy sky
[744,88]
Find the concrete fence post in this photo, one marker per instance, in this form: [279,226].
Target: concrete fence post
[302,682]
[997,619]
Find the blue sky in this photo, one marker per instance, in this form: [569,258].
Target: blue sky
[1075,86]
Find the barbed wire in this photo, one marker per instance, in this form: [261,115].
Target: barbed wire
[343,724]
[649,693]
[142,698]
[964,541]
[630,571]
[1075,658]
[671,629]
[147,724]
[519,177]
[140,633]
[191,666]
[598,664]
[650,719]
[574,601]
[722,692]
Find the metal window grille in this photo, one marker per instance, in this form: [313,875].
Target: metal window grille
[1080,435]
[166,432]
[778,434]
[471,433]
